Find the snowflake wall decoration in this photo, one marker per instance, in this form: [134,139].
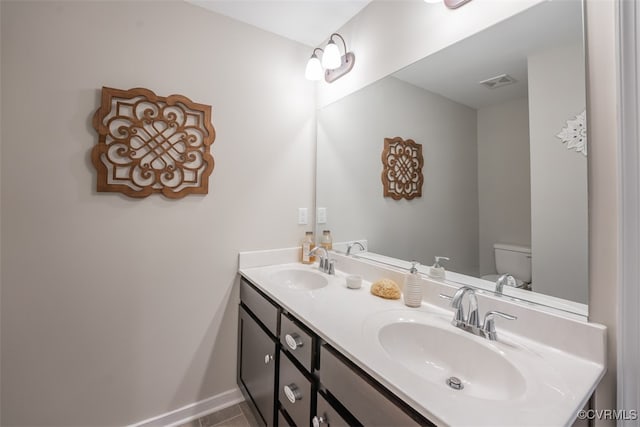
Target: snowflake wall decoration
[575,133]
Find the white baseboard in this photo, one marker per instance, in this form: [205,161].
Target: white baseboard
[194,411]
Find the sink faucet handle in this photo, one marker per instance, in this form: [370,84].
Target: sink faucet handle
[331,269]
[322,263]
[458,316]
[489,326]
[447,297]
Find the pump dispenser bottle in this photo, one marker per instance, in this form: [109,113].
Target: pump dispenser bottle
[326,241]
[436,270]
[308,243]
[412,287]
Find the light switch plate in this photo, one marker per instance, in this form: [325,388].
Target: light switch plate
[322,215]
[303,216]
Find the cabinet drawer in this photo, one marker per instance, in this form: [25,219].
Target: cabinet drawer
[297,341]
[260,306]
[327,416]
[294,392]
[357,393]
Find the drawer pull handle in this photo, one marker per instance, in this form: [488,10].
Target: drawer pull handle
[319,420]
[293,341]
[268,358]
[292,392]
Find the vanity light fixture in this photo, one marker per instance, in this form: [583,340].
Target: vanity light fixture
[333,63]
[331,58]
[314,69]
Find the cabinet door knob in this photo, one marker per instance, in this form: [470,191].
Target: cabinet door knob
[318,420]
[292,392]
[293,341]
[268,358]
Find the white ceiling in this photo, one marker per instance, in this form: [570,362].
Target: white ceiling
[455,72]
[306,21]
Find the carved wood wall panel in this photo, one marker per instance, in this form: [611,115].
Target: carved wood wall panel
[402,168]
[152,144]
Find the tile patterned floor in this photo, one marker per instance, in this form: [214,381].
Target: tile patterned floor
[234,416]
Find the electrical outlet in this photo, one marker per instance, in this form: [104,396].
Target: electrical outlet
[303,216]
[322,215]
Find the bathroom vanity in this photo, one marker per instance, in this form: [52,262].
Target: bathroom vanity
[313,352]
[294,377]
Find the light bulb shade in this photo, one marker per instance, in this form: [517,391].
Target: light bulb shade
[331,57]
[314,69]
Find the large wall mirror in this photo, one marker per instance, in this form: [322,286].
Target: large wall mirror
[505,165]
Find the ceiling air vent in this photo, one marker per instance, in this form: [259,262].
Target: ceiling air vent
[498,81]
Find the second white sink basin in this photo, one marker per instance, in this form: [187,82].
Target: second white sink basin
[299,279]
[437,354]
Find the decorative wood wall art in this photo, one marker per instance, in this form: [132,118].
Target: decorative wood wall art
[152,144]
[402,168]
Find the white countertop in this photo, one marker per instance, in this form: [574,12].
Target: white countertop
[544,302]
[558,382]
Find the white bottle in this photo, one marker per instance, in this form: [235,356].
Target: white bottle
[412,287]
[436,270]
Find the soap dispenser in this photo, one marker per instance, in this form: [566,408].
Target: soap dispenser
[436,271]
[412,287]
[308,244]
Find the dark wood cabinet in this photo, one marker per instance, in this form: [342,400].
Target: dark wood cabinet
[295,392]
[257,366]
[368,401]
[290,377]
[328,416]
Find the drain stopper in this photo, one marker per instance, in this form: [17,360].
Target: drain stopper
[455,383]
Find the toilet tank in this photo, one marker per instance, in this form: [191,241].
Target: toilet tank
[514,260]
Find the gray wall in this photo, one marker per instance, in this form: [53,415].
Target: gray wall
[601,33]
[444,221]
[504,186]
[115,310]
[558,175]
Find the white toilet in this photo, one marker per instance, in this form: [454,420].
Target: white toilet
[514,260]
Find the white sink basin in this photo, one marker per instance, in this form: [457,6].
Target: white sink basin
[299,279]
[436,354]
[541,376]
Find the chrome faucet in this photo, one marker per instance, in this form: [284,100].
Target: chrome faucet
[459,318]
[326,265]
[489,327]
[352,244]
[470,322]
[505,279]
